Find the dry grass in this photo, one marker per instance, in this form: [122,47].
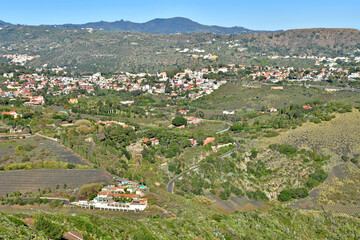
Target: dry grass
[338,137]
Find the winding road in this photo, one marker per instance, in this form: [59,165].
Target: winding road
[170,186]
[226,129]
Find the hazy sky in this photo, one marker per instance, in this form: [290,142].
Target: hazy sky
[253,14]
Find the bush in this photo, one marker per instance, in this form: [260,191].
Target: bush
[311,183]
[315,120]
[285,195]
[71,166]
[51,229]
[236,128]
[319,175]
[287,149]
[254,153]
[25,159]
[354,161]
[83,122]
[88,189]
[270,134]
[179,121]
[257,195]
[299,193]
[288,194]
[225,195]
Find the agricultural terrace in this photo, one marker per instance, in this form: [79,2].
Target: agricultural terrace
[31,180]
[36,149]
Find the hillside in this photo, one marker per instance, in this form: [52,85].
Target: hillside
[2,23]
[118,51]
[157,25]
[337,137]
[294,225]
[314,41]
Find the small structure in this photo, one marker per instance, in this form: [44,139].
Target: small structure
[73,100]
[272,109]
[228,112]
[208,140]
[277,87]
[182,112]
[193,141]
[153,141]
[13,113]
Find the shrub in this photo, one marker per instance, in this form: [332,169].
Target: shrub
[83,122]
[270,134]
[299,193]
[254,153]
[285,195]
[51,229]
[71,166]
[311,183]
[88,189]
[225,195]
[236,128]
[287,149]
[179,121]
[257,195]
[315,120]
[25,159]
[354,161]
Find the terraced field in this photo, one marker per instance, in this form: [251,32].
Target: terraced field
[340,192]
[43,150]
[235,204]
[337,137]
[31,180]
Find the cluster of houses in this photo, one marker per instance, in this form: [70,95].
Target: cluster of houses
[12,113]
[19,58]
[189,83]
[123,196]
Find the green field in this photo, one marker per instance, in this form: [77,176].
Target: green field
[236,97]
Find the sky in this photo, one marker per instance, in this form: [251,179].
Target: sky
[252,14]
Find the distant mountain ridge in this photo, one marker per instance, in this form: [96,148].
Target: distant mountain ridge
[163,26]
[158,25]
[2,23]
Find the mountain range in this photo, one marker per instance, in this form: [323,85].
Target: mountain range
[2,23]
[158,25]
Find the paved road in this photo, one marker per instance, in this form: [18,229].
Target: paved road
[170,186]
[231,151]
[224,130]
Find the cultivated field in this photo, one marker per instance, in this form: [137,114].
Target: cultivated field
[42,150]
[32,180]
[337,137]
[235,97]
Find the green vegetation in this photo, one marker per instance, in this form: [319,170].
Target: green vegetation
[41,165]
[178,121]
[287,194]
[294,225]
